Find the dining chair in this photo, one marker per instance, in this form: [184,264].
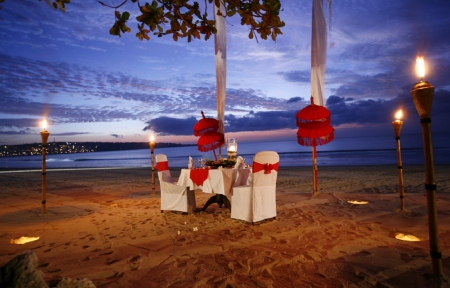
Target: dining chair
[257,201]
[173,196]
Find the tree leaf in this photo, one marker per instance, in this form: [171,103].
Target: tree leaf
[125,16]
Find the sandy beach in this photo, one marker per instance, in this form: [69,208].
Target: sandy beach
[106,225]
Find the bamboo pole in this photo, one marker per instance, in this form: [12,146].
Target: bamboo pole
[314,162]
[422,94]
[44,137]
[397,124]
[152,158]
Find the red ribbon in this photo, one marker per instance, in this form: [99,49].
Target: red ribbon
[162,166]
[198,176]
[267,167]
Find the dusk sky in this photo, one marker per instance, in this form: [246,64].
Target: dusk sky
[96,87]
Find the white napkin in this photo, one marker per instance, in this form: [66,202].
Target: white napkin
[191,164]
[239,163]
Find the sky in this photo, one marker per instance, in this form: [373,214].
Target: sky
[92,86]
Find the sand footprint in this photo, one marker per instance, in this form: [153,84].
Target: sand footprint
[135,262]
[110,262]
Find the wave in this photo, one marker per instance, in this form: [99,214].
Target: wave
[109,159]
[59,160]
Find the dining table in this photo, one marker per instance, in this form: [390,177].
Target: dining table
[218,181]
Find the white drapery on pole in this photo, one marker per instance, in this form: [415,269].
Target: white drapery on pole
[318,52]
[220,43]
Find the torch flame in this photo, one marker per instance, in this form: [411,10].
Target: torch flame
[399,115]
[44,124]
[152,138]
[420,65]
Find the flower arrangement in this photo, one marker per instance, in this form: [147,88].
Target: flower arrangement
[225,163]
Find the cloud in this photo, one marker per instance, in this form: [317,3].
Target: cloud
[344,112]
[70,133]
[67,67]
[117,136]
[376,112]
[260,121]
[303,76]
[171,126]
[15,131]
[294,100]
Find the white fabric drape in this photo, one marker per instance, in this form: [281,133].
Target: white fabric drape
[220,42]
[318,52]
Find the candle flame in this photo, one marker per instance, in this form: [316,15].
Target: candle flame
[152,138]
[399,115]
[44,124]
[420,65]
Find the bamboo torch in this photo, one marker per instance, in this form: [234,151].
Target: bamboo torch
[44,136]
[152,158]
[397,124]
[422,95]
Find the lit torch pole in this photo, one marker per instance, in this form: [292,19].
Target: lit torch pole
[422,95]
[152,157]
[44,136]
[397,124]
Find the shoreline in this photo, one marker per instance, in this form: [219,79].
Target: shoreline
[106,225]
[182,167]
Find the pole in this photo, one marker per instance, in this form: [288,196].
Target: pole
[397,124]
[314,169]
[152,157]
[422,94]
[44,137]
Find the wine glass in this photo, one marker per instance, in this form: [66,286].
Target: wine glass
[201,161]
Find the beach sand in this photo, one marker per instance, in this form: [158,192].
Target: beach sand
[106,225]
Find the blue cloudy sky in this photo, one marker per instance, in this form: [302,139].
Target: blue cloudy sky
[96,87]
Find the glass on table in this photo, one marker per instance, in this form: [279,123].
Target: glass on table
[201,161]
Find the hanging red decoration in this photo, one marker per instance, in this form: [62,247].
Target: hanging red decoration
[314,130]
[205,125]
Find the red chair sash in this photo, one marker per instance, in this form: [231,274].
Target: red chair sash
[162,166]
[198,176]
[267,167]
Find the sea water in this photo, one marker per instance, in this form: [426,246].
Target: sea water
[291,154]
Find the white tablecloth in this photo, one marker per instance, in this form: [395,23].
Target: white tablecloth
[219,181]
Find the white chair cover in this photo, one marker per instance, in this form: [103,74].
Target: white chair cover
[257,201]
[173,197]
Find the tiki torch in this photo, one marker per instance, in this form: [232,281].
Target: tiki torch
[44,136]
[152,157]
[397,124]
[422,95]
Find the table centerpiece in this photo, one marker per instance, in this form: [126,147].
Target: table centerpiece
[224,163]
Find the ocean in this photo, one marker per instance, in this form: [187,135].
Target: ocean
[291,154]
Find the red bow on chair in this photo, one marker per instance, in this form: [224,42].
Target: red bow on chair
[266,167]
[162,166]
